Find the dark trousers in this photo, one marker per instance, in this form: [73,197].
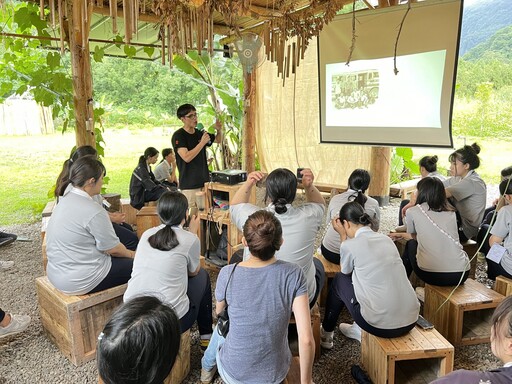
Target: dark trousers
[319,279]
[494,270]
[462,237]
[482,238]
[154,194]
[331,256]
[126,235]
[342,295]
[443,279]
[2,315]
[120,272]
[403,203]
[199,293]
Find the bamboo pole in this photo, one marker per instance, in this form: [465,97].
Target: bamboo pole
[380,166]
[81,71]
[249,133]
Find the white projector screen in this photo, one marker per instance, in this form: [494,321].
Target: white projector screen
[365,102]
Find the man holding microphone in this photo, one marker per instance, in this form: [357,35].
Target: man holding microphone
[189,143]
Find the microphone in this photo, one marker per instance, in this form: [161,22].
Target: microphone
[200,128]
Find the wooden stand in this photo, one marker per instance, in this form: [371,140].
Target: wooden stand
[330,270]
[73,323]
[418,357]
[147,218]
[129,211]
[213,214]
[503,285]
[465,318]
[315,326]
[181,367]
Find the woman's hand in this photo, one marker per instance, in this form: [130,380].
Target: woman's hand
[307,177]
[395,236]
[193,227]
[337,224]
[255,176]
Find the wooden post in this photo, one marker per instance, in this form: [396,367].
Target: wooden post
[380,165]
[248,131]
[79,22]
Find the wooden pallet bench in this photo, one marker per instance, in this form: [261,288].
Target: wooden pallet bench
[73,323]
[418,357]
[403,189]
[331,269]
[465,318]
[503,285]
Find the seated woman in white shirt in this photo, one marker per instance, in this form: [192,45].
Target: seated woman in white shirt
[466,191]
[372,284]
[300,224]
[84,253]
[167,265]
[501,233]
[433,251]
[358,183]
[165,171]
[501,347]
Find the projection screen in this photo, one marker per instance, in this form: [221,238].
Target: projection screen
[365,102]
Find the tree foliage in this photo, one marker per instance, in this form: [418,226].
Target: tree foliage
[25,68]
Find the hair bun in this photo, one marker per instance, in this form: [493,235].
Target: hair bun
[434,159]
[475,148]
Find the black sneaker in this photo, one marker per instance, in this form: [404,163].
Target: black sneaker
[7,238]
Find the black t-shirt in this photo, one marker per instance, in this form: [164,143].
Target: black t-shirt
[195,173]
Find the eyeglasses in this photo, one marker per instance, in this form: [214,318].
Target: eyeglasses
[191,116]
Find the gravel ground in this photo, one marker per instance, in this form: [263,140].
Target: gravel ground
[31,358]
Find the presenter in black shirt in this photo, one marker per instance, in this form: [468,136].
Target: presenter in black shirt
[189,143]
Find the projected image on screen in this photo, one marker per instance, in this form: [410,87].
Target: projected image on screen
[355,89]
[368,93]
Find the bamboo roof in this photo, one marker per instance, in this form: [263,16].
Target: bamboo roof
[157,29]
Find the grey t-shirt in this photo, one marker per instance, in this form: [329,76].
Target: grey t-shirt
[331,240]
[78,234]
[164,273]
[260,305]
[300,227]
[162,171]
[381,286]
[469,197]
[437,252]
[503,228]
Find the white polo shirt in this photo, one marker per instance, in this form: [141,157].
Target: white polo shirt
[331,239]
[503,228]
[437,252]
[164,273]
[469,197]
[381,286]
[78,234]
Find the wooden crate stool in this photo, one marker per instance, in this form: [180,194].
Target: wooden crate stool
[129,211]
[330,270]
[147,218]
[503,285]
[465,318]
[315,325]
[73,323]
[418,357]
[181,367]
[470,247]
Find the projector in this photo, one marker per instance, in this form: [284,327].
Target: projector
[229,176]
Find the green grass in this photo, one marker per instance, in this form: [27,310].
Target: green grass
[29,165]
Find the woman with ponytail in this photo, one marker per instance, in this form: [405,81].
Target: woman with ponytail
[466,191]
[358,183]
[300,223]
[372,283]
[143,185]
[167,265]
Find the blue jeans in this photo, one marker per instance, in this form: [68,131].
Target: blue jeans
[211,358]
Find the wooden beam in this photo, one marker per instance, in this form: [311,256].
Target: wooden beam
[248,133]
[380,166]
[79,19]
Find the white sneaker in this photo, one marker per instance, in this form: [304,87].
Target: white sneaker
[352,331]
[5,265]
[326,338]
[18,324]
[401,228]
[207,376]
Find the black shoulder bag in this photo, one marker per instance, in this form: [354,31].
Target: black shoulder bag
[223,316]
